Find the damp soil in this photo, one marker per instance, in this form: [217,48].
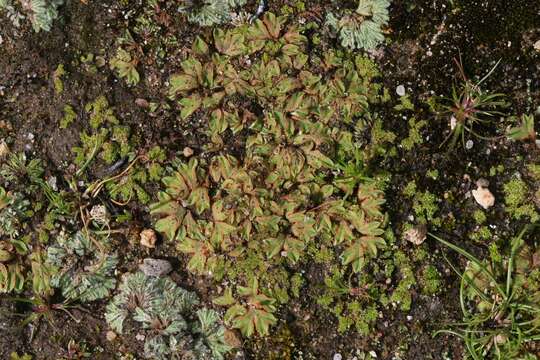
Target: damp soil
[424,38]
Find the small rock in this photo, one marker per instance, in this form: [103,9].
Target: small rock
[148,238]
[52,183]
[400,90]
[337,357]
[155,267]
[110,336]
[453,123]
[100,214]
[537,45]
[416,235]
[469,144]
[482,183]
[142,103]
[232,338]
[500,339]
[187,151]
[140,337]
[483,196]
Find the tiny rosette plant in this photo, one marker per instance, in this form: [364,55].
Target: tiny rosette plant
[176,328]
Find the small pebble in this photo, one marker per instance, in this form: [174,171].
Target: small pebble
[483,196]
[453,123]
[416,235]
[337,356]
[155,267]
[187,151]
[400,90]
[140,337]
[52,183]
[148,238]
[110,336]
[142,103]
[469,144]
[537,45]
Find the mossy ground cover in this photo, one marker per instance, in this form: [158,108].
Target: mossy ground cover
[291,160]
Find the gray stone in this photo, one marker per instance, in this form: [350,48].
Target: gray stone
[155,267]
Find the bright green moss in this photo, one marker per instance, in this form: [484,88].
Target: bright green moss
[517,199]
[534,170]
[430,280]
[57,79]
[479,216]
[402,294]
[415,136]
[496,170]
[425,207]
[69,117]
[100,113]
[482,234]
[434,174]
[404,104]
[410,189]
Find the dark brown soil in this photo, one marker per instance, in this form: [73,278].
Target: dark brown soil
[424,38]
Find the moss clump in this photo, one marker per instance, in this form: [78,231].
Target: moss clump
[430,280]
[517,197]
[479,217]
[425,207]
[415,136]
[410,189]
[57,79]
[69,117]
[481,234]
[402,293]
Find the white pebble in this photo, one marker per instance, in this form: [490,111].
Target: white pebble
[469,144]
[337,356]
[400,90]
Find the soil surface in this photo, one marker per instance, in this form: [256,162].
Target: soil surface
[423,41]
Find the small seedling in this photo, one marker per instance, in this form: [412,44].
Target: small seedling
[470,106]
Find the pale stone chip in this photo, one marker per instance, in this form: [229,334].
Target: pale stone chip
[187,151]
[484,197]
[416,235]
[148,238]
[155,267]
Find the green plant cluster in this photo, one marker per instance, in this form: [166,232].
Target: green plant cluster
[210,12]
[500,301]
[361,28]
[41,13]
[84,270]
[175,328]
[15,215]
[262,210]
[518,200]
[113,143]
[354,306]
